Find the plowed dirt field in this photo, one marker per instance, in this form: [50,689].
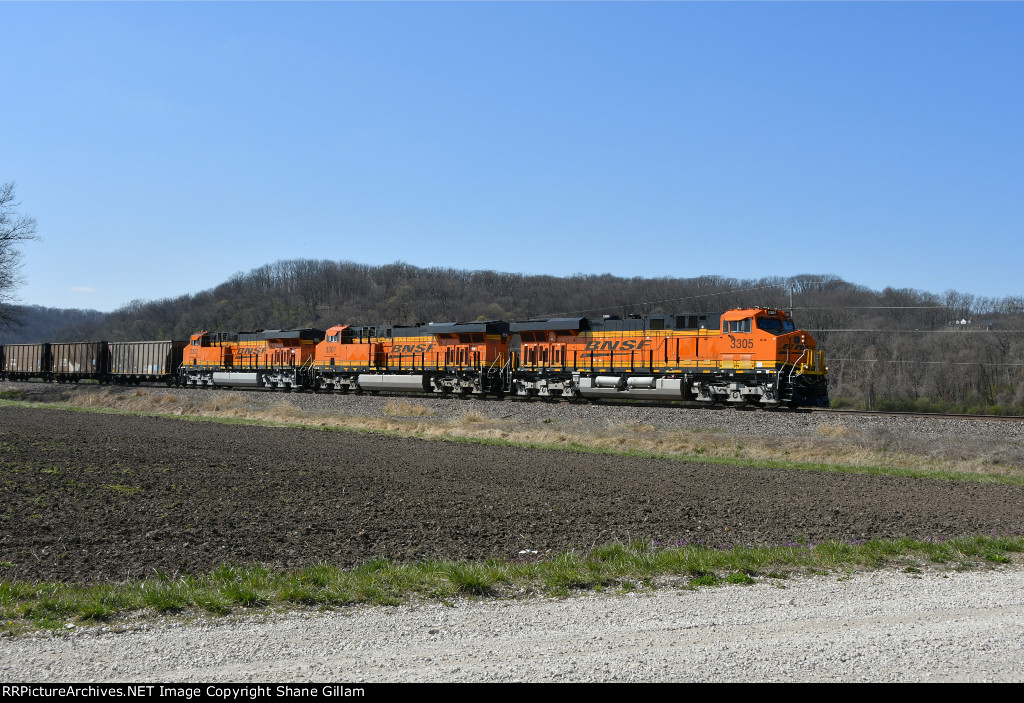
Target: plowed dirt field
[87,496]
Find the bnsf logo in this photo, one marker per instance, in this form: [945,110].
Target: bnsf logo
[412,348]
[624,345]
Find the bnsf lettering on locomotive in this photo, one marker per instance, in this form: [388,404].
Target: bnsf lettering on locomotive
[624,345]
[413,348]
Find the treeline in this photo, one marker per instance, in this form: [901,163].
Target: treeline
[37,323]
[896,348]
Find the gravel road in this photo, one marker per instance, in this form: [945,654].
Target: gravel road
[882,626]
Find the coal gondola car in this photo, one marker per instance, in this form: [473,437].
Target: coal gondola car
[71,362]
[26,361]
[145,362]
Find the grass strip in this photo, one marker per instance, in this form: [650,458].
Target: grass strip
[232,588]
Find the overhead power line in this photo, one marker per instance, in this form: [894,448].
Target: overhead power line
[942,330]
[880,307]
[781,292]
[908,361]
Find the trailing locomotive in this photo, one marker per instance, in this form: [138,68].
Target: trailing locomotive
[752,356]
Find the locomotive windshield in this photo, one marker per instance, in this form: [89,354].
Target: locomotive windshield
[775,326]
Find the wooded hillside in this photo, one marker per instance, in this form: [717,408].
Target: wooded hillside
[896,348]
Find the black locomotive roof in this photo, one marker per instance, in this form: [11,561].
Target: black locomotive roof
[673,321]
[260,335]
[553,323]
[668,321]
[486,326]
[483,326]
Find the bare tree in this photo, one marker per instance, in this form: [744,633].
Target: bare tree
[14,229]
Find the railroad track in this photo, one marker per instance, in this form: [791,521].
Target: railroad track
[678,405]
[929,416]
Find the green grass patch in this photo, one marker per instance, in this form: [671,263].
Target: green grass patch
[233,588]
[739,577]
[166,596]
[124,489]
[708,579]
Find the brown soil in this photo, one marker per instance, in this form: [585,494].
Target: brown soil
[86,496]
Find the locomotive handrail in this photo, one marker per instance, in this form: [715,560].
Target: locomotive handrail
[795,365]
[504,371]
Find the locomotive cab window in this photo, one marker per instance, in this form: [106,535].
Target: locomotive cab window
[775,326]
[738,325]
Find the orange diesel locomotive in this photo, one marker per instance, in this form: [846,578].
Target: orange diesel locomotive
[265,359]
[460,357]
[752,356]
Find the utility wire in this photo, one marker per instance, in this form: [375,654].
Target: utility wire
[780,292]
[908,361]
[879,307]
[941,330]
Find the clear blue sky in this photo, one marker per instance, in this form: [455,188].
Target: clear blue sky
[163,147]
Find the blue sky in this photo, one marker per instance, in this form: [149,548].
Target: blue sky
[163,147]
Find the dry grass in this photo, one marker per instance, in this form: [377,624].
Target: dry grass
[833,446]
[406,409]
[834,430]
